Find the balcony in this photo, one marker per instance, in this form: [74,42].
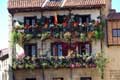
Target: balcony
[64,31]
[4,54]
[55,62]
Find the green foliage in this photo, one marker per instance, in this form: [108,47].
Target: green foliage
[98,34]
[24,63]
[82,37]
[13,37]
[45,35]
[28,63]
[67,36]
[56,62]
[28,37]
[101,62]
[16,37]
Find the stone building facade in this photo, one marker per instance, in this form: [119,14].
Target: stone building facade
[61,39]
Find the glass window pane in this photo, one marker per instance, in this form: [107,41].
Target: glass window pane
[30,49]
[114,32]
[54,50]
[28,21]
[59,50]
[33,50]
[119,33]
[87,47]
[33,22]
[26,50]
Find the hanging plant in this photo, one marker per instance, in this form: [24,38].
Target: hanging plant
[60,26]
[98,34]
[82,37]
[101,34]
[28,63]
[101,61]
[76,34]
[30,66]
[20,66]
[90,35]
[39,35]
[45,36]
[13,37]
[28,37]
[14,64]
[21,38]
[67,36]
[16,37]
[17,64]
[56,35]
[18,25]
[102,20]
[44,65]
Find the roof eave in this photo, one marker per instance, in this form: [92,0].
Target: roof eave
[52,8]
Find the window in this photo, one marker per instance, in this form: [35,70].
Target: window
[57,49]
[116,32]
[82,18]
[60,19]
[84,48]
[62,49]
[30,79]
[30,49]
[85,78]
[58,78]
[30,20]
[51,20]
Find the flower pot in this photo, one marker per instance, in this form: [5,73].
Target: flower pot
[21,66]
[67,36]
[72,66]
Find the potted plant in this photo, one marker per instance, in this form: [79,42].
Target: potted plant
[20,66]
[82,37]
[45,35]
[90,35]
[67,36]
[28,36]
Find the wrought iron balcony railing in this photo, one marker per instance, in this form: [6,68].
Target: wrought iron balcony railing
[82,32]
[54,62]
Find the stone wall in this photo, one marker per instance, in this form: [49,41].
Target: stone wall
[65,73]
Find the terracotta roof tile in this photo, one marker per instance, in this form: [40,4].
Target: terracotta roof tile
[114,16]
[25,3]
[68,3]
[53,4]
[84,3]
